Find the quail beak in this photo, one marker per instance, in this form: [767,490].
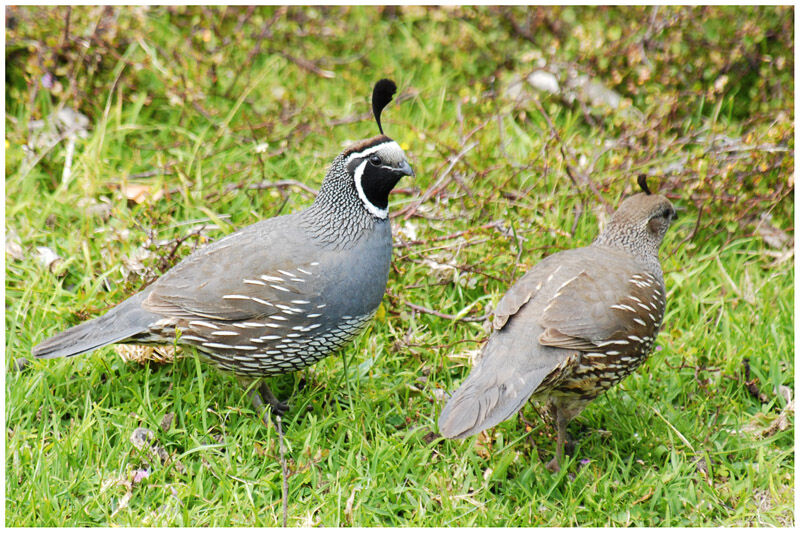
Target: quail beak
[405,169]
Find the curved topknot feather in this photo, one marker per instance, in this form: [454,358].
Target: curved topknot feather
[381,95]
[643,184]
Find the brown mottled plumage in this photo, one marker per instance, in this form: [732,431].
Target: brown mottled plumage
[572,327]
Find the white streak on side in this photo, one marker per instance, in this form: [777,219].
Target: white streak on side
[640,321]
[254,282]
[279,288]
[217,345]
[202,324]
[224,333]
[303,271]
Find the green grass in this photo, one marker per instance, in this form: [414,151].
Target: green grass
[180,95]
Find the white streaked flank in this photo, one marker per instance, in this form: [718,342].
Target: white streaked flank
[203,324]
[279,288]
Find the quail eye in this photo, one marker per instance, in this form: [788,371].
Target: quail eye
[375,160]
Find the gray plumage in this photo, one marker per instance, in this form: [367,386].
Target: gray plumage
[572,327]
[278,295]
[270,298]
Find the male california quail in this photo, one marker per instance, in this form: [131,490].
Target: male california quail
[572,327]
[278,295]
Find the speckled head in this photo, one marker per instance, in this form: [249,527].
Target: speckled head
[640,223]
[359,180]
[377,164]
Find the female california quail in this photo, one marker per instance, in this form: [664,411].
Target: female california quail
[278,295]
[572,327]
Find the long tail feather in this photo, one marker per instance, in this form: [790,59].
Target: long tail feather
[498,386]
[121,322]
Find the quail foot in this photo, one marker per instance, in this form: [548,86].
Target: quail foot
[572,327]
[281,294]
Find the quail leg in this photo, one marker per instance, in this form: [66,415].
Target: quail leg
[261,396]
[257,396]
[561,424]
[258,405]
[278,407]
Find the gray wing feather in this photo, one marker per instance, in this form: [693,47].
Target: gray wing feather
[527,287]
[511,369]
[121,322]
[218,284]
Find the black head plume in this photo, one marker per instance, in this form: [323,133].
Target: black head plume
[382,95]
[643,184]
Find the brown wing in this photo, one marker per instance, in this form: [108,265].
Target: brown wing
[526,288]
[620,305]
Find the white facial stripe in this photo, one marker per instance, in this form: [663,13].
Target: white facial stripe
[388,146]
[380,213]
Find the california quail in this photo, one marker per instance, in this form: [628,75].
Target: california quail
[572,327]
[281,294]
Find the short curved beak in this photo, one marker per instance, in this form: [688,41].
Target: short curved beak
[405,169]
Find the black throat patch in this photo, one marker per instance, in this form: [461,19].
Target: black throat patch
[377,182]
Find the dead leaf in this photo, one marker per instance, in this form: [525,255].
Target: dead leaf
[144,439]
[14,246]
[784,392]
[483,445]
[166,422]
[348,506]
[645,497]
[49,259]
[142,354]
[141,437]
[139,192]
[774,237]
[782,423]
